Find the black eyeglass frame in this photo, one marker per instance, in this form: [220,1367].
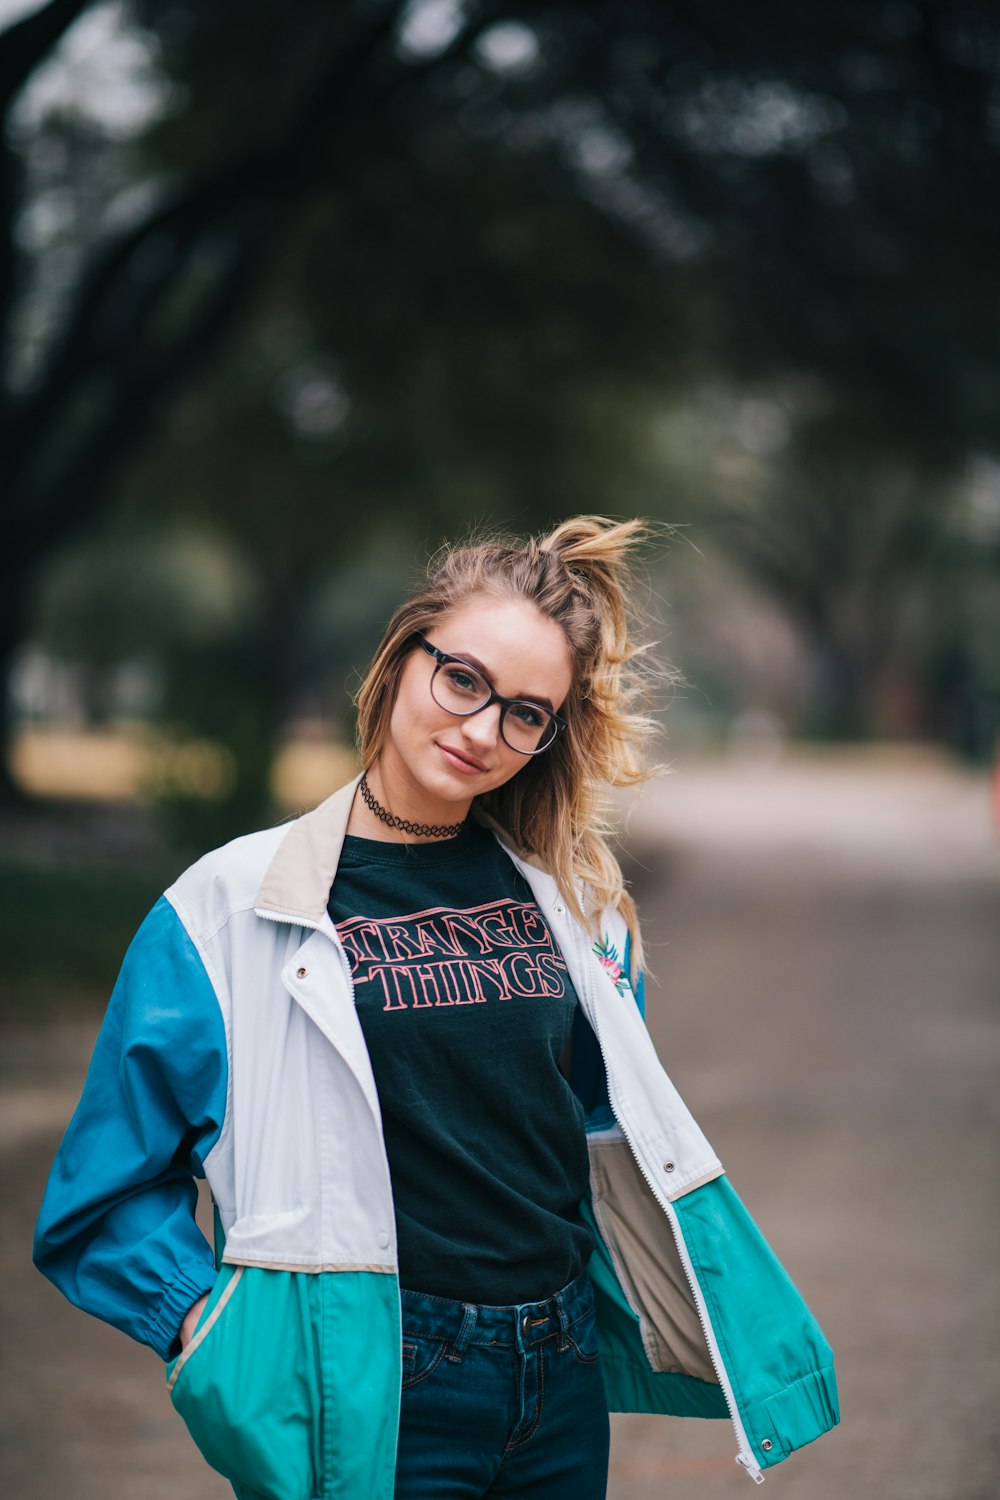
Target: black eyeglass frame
[442,658]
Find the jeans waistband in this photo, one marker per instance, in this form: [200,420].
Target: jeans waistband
[522,1324]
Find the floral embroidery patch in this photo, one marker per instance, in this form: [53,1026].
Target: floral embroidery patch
[607,953]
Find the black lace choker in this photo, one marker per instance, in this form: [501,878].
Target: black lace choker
[422,830]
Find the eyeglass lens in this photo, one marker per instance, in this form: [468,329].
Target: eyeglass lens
[461,690]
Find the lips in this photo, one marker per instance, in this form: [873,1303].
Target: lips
[468,760]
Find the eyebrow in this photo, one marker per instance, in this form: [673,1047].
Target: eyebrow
[474,661]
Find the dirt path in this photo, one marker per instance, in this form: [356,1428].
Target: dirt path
[827,938]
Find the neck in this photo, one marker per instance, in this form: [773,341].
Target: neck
[396,793]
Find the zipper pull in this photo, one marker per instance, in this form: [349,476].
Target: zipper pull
[751,1468]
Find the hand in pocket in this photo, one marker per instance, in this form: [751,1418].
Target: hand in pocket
[191,1321]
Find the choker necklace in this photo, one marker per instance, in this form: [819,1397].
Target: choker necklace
[422,830]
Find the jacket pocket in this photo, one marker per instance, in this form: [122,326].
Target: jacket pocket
[248,1385]
[222,1289]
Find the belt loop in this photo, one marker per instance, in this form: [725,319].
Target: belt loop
[465,1333]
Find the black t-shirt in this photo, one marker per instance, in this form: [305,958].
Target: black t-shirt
[466,1006]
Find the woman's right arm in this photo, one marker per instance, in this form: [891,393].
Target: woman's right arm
[117,1232]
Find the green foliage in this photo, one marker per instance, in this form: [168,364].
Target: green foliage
[369,286]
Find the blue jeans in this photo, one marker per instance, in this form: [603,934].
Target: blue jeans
[502,1400]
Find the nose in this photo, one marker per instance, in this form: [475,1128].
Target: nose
[483,729]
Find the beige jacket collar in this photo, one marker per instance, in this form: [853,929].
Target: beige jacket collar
[297,882]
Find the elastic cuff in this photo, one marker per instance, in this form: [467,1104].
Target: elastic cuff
[178,1299]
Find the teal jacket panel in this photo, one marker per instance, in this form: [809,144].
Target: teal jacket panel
[290,1384]
[778,1362]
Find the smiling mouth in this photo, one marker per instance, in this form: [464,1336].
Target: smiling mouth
[474,765]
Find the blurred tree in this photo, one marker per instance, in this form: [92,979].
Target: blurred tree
[409,262]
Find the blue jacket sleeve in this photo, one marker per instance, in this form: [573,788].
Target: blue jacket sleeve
[116,1232]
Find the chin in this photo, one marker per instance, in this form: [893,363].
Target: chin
[442,781]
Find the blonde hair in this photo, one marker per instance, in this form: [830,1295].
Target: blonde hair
[555,809]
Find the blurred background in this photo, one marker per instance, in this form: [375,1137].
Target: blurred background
[292,292]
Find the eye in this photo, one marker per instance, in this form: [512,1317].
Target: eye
[463,680]
[525,714]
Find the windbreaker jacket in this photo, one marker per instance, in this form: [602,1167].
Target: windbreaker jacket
[232,1050]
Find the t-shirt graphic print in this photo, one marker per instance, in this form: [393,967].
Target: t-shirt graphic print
[502,950]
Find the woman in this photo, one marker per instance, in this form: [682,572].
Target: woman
[460,1209]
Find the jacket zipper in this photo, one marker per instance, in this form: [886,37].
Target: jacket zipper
[744,1456]
[345,961]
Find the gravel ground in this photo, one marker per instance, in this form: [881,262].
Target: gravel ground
[826,936]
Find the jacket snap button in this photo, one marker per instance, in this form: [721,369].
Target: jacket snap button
[383,1239]
[560,911]
[301,973]
[668,1166]
[767,1445]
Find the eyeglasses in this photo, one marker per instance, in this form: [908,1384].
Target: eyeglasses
[459,688]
